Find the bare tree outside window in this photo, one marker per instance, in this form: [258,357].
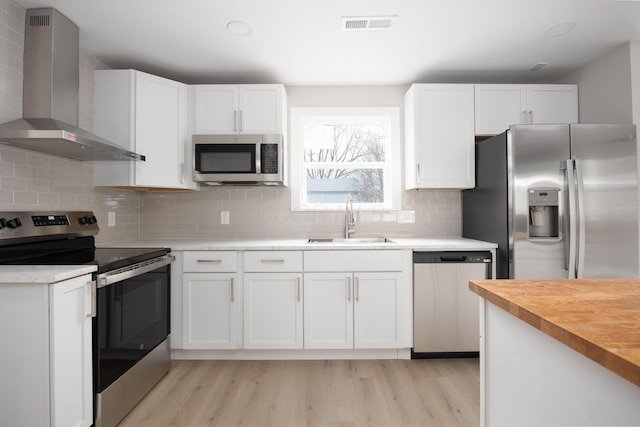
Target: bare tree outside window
[345,158]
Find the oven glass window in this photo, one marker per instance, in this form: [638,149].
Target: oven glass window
[133,318]
[226,158]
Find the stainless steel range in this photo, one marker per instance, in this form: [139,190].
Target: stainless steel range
[132,323]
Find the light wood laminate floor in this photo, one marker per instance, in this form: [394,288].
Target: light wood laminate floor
[435,392]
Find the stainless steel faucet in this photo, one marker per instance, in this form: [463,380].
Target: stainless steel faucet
[349,218]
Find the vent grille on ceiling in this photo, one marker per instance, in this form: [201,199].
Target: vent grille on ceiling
[39,21]
[368,23]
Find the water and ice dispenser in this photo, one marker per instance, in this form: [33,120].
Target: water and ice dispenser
[543,213]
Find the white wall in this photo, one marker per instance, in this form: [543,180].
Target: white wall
[604,88]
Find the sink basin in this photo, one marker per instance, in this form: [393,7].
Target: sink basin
[351,240]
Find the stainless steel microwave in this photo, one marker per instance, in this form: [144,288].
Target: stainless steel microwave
[238,159]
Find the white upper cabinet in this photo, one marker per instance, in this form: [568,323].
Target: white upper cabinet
[249,109]
[439,136]
[500,106]
[146,114]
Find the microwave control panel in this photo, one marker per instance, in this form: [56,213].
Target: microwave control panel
[269,158]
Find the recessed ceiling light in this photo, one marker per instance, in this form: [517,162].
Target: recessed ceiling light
[560,29]
[238,28]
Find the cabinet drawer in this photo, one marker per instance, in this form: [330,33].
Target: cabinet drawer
[372,260]
[273,261]
[210,261]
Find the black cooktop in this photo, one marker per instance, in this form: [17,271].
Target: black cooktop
[78,251]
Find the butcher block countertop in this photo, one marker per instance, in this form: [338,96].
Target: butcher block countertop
[599,318]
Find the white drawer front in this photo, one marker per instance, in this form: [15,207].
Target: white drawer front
[267,261]
[362,260]
[210,261]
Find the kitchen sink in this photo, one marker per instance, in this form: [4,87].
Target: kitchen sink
[351,240]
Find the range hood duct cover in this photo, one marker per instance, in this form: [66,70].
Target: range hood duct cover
[51,91]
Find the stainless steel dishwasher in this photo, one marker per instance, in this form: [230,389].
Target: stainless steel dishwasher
[445,312]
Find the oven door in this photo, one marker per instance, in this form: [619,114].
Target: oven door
[132,319]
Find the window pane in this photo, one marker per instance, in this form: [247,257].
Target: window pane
[344,143]
[333,185]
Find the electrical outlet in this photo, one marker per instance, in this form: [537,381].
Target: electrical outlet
[224,217]
[111,219]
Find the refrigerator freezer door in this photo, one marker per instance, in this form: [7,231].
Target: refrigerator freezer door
[606,155]
[538,156]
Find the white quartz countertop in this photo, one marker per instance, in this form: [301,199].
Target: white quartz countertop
[451,244]
[11,274]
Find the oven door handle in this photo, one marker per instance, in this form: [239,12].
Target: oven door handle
[108,278]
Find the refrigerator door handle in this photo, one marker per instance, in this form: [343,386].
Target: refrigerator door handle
[580,218]
[571,183]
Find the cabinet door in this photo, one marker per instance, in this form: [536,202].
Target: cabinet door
[442,121]
[71,353]
[552,104]
[261,109]
[216,109]
[210,312]
[160,131]
[273,311]
[498,107]
[377,310]
[328,310]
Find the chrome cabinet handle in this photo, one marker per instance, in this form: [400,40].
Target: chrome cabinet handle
[233,295]
[241,121]
[418,172]
[235,120]
[93,290]
[524,117]
[209,261]
[357,292]
[272,261]
[298,286]
[349,289]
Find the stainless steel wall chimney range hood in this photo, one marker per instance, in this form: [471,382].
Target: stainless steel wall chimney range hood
[51,94]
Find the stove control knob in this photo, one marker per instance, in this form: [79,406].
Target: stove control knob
[3,223]
[14,223]
[92,219]
[82,220]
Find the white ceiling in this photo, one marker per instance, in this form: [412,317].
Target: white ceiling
[299,42]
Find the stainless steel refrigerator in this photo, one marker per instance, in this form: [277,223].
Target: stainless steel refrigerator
[561,201]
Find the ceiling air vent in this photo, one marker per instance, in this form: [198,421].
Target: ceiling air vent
[367,23]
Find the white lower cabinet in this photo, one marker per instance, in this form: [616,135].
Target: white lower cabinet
[210,300]
[328,310]
[351,310]
[291,300]
[46,361]
[210,319]
[273,298]
[273,310]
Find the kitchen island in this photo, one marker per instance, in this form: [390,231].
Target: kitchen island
[560,352]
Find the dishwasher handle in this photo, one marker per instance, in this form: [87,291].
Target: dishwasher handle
[453,258]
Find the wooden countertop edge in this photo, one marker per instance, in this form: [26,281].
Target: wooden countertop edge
[601,355]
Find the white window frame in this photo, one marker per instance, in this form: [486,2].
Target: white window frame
[392,172]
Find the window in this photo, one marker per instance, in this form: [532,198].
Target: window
[340,151]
